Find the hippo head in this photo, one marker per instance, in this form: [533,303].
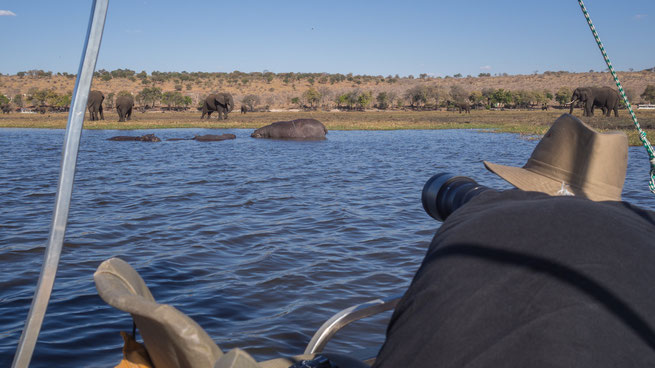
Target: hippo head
[260,133]
[150,138]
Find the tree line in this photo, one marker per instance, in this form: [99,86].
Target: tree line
[436,97]
[148,96]
[237,77]
[39,97]
[417,97]
[427,95]
[151,96]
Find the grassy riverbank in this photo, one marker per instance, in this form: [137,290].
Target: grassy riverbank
[522,122]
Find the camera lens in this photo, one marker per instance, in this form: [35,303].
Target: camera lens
[444,193]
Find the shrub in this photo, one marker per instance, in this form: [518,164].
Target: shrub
[563,95]
[649,94]
[312,96]
[383,100]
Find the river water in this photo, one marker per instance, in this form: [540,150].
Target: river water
[259,241]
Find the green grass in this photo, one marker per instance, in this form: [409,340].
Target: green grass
[528,123]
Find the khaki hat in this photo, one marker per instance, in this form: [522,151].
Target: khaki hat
[572,159]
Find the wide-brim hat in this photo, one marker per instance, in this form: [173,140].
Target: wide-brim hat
[572,158]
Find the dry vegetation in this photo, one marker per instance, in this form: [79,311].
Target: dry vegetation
[278,91]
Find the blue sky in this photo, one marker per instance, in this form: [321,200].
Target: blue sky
[360,37]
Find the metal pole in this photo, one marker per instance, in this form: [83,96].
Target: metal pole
[65,185]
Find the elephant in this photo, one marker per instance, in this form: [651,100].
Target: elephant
[223,103]
[294,129]
[6,109]
[604,97]
[94,104]
[244,109]
[459,105]
[124,105]
[463,106]
[143,138]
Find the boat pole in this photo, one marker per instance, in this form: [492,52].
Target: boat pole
[64,186]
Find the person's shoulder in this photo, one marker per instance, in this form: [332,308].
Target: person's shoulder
[491,202]
[634,210]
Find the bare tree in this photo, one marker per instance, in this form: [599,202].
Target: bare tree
[458,93]
[392,96]
[250,101]
[326,96]
[436,93]
[417,95]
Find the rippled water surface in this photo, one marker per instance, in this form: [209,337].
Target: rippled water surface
[259,241]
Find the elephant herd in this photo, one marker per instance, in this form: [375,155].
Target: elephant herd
[605,98]
[222,103]
[124,105]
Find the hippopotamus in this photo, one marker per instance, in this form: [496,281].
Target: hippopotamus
[143,138]
[294,129]
[213,137]
[206,138]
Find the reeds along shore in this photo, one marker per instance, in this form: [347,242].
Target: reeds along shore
[530,122]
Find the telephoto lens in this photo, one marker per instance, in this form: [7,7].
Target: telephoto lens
[444,193]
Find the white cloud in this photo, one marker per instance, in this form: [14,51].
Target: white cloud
[486,67]
[640,16]
[7,12]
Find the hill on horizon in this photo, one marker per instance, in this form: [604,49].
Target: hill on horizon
[288,90]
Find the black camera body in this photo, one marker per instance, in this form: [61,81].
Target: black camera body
[444,193]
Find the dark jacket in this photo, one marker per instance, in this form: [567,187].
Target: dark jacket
[522,279]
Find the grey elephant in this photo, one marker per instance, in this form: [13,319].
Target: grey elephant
[124,105]
[459,105]
[294,129]
[94,104]
[244,109]
[6,109]
[463,106]
[604,97]
[222,103]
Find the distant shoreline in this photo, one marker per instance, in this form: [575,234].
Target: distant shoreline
[291,90]
[524,122]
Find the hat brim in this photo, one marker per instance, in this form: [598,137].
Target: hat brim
[530,181]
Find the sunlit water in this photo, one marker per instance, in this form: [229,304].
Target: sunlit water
[259,241]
